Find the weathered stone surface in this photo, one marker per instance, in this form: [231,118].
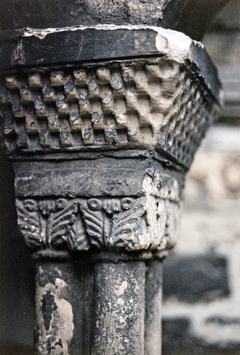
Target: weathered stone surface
[146,222]
[146,103]
[187,16]
[101,134]
[153,308]
[75,117]
[118,311]
[63,304]
[160,104]
[135,173]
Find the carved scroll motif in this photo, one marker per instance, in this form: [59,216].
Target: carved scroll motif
[145,222]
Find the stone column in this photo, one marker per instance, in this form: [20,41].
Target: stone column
[101,123]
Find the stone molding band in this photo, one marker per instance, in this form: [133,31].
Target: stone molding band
[31,47]
[129,224]
[97,257]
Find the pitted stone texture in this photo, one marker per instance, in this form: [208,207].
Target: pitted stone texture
[190,17]
[136,11]
[118,308]
[152,103]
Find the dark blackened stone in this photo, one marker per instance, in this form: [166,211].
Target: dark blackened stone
[189,16]
[16,273]
[15,348]
[48,306]
[178,340]
[195,16]
[195,278]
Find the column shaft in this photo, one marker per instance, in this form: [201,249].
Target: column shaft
[153,308]
[119,307]
[63,307]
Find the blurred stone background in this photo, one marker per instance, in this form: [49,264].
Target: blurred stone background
[201,310]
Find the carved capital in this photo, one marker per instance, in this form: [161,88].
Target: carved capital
[147,103]
[100,147]
[163,101]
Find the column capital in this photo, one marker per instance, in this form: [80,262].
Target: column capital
[53,100]
[100,147]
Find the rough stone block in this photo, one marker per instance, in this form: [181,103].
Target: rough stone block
[195,278]
[177,340]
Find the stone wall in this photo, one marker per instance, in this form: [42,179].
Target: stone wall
[202,274]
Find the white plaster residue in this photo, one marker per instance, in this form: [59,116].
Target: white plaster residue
[24,178]
[174,195]
[66,315]
[174,44]
[61,325]
[147,185]
[42,33]
[158,187]
[122,319]
[198,44]
[120,286]
[163,208]
[144,240]
[120,301]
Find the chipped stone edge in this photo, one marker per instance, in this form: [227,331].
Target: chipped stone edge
[170,44]
[174,45]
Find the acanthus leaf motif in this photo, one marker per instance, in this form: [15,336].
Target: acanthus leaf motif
[67,226]
[94,221]
[77,239]
[29,223]
[128,224]
[60,222]
[52,223]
